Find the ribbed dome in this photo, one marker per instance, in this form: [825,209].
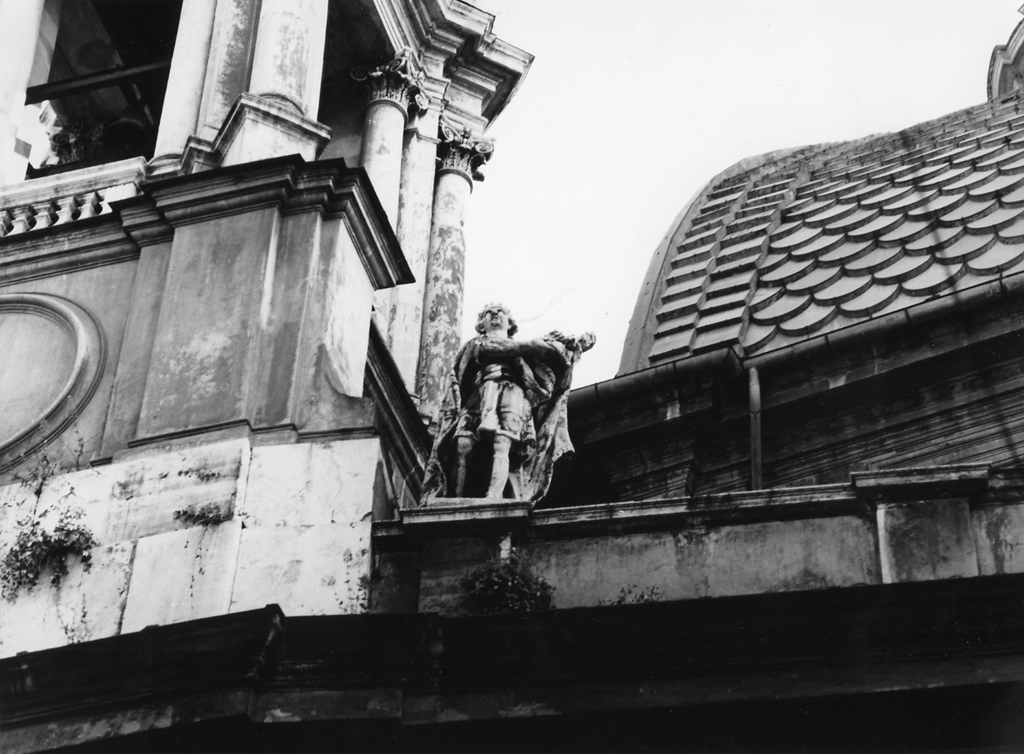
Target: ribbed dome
[795,245]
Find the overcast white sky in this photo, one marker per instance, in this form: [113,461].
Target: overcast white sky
[630,108]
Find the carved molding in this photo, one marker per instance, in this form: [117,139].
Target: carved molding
[462,152]
[49,413]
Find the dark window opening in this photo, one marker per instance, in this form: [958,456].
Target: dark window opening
[355,39]
[98,82]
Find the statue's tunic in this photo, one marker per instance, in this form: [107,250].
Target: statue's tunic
[497,406]
[517,389]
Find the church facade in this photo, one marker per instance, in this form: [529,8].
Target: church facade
[231,261]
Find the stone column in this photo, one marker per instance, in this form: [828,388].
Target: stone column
[414,218]
[287,63]
[185,81]
[460,156]
[20,20]
[392,90]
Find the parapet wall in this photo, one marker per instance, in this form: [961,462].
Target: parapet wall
[907,525]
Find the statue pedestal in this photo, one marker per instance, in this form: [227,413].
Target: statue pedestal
[455,535]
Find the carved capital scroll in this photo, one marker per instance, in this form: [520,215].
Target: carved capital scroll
[397,83]
[460,151]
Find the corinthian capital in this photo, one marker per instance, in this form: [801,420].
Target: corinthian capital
[460,151]
[397,82]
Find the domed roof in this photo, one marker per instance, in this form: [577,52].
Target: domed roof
[797,244]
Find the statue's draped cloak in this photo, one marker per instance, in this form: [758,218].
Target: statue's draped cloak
[543,368]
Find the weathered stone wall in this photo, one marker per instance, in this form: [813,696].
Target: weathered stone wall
[776,556]
[287,524]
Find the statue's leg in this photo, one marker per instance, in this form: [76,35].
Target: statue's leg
[499,468]
[463,446]
[489,396]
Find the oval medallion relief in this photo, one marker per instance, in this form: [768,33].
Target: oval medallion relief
[51,360]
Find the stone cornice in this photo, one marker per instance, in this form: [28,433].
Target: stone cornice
[293,185]
[481,65]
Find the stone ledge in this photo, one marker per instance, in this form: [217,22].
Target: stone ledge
[861,497]
[711,510]
[122,172]
[922,484]
[462,514]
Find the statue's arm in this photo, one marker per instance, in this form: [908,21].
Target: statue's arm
[552,348]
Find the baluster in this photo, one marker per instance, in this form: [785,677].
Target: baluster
[68,210]
[90,207]
[22,220]
[45,214]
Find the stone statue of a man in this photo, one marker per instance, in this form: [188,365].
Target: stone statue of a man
[503,417]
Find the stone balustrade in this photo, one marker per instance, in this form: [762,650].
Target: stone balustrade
[68,197]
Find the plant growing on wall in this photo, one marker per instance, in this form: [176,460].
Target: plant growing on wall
[634,595]
[505,585]
[36,550]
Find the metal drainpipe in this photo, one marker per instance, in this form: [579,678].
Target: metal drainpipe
[755,430]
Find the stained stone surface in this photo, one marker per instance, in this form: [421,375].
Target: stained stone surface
[999,533]
[311,483]
[182,575]
[926,540]
[306,570]
[139,498]
[714,562]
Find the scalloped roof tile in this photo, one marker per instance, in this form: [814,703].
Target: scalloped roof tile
[820,238]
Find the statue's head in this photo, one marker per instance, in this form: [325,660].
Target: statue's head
[496,317]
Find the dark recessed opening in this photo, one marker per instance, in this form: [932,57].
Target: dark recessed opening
[99,81]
